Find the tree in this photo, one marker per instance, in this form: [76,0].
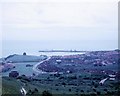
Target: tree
[105,90]
[24,53]
[82,90]
[98,93]
[69,89]
[36,90]
[63,83]
[46,93]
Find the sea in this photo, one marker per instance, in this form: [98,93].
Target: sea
[32,47]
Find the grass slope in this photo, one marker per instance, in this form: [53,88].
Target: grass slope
[10,86]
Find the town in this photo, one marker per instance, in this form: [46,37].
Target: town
[93,73]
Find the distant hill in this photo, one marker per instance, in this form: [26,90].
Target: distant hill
[2,60]
[24,58]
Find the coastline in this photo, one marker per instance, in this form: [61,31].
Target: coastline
[35,67]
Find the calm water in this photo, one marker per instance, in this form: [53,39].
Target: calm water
[22,69]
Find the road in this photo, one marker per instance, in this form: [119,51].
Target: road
[102,81]
[23,91]
[35,68]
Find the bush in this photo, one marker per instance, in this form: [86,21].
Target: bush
[94,90]
[63,83]
[70,90]
[105,89]
[82,90]
[95,85]
[98,93]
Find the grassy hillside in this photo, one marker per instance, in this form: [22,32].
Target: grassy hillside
[10,86]
[24,58]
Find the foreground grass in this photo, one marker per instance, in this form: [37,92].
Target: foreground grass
[39,87]
[10,86]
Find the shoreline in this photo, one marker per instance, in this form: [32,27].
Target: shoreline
[35,68]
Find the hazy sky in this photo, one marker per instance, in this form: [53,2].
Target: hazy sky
[56,21]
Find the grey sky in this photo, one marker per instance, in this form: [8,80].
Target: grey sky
[46,21]
[61,21]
